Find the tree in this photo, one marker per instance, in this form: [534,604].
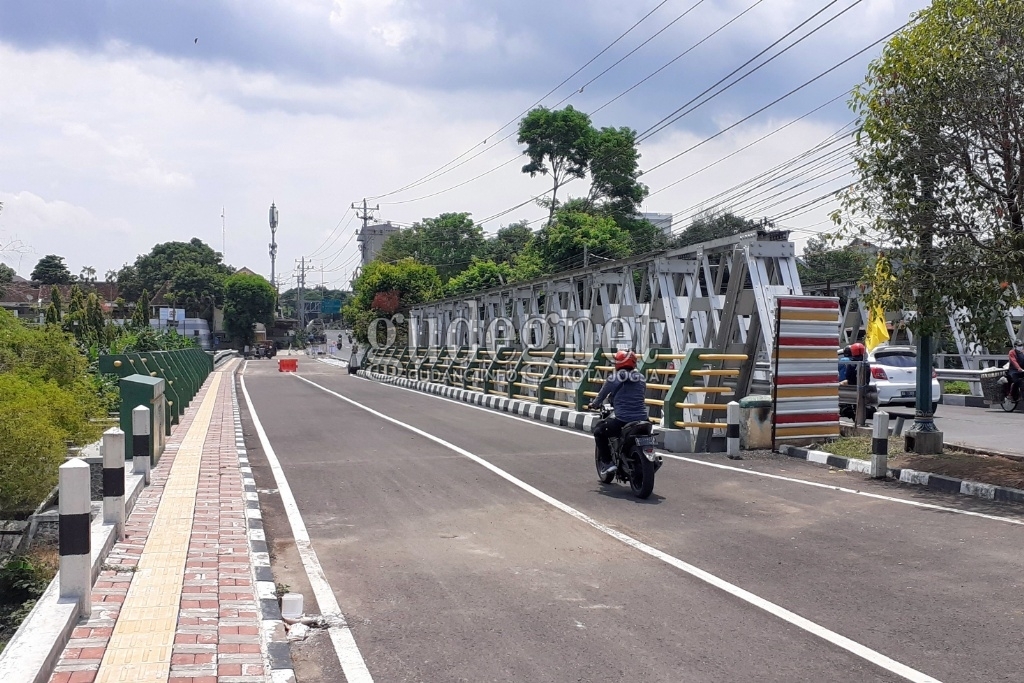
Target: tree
[558,143]
[709,226]
[88,274]
[825,263]
[248,299]
[189,267]
[140,316]
[57,303]
[940,165]
[407,281]
[51,271]
[479,276]
[614,171]
[6,276]
[448,242]
[576,239]
[110,276]
[509,241]
[129,285]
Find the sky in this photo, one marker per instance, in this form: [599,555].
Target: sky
[127,124]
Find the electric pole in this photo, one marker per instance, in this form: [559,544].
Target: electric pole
[300,297]
[365,216]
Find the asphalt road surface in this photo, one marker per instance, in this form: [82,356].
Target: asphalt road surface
[467,545]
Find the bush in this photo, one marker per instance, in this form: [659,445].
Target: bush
[31,446]
[956,387]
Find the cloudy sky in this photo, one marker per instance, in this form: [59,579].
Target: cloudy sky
[124,124]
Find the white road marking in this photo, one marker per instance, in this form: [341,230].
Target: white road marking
[807,625]
[351,659]
[721,466]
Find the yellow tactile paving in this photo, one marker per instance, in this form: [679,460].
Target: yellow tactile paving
[143,637]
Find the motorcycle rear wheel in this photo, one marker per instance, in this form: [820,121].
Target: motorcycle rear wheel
[604,479]
[641,479]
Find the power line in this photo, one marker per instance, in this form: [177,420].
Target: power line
[431,175]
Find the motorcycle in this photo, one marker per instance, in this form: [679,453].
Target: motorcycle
[633,454]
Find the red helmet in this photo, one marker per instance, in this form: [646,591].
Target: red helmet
[857,349]
[625,360]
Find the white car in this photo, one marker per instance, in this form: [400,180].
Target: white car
[894,373]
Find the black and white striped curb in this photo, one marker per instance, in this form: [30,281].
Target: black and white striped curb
[937,482]
[554,415]
[276,652]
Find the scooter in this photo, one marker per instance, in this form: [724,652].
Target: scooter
[633,455]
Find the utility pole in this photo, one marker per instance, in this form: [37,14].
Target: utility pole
[365,216]
[223,234]
[586,256]
[300,298]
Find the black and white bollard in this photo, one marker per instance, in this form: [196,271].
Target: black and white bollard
[113,480]
[880,445]
[732,430]
[141,452]
[74,534]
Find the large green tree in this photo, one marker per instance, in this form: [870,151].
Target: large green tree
[940,164]
[615,172]
[479,276]
[448,243]
[51,270]
[575,239]
[558,143]
[192,269]
[712,225]
[826,263]
[383,289]
[248,299]
[509,241]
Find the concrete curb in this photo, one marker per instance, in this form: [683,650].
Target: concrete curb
[937,482]
[276,651]
[964,400]
[562,417]
[36,647]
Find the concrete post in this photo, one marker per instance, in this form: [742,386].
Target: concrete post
[141,451]
[880,445]
[74,534]
[113,480]
[732,431]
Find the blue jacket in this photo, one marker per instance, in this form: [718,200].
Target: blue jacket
[627,390]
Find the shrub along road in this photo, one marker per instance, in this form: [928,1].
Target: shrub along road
[481,547]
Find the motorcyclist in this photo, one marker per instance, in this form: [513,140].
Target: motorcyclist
[857,353]
[1015,373]
[626,389]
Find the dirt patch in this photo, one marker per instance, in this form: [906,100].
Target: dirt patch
[987,469]
[22,580]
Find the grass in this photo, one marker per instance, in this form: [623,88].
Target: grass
[22,580]
[857,447]
[958,387]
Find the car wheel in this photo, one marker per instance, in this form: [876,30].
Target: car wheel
[935,407]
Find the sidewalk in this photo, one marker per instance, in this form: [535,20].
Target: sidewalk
[176,600]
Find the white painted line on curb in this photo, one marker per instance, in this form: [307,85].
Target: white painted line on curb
[731,468]
[352,663]
[807,625]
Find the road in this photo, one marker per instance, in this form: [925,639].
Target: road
[983,428]
[466,545]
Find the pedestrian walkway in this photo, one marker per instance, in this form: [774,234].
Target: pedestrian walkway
[175,601]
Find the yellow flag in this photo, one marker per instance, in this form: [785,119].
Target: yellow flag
[877,332]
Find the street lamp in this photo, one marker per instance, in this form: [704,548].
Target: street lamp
[273,244]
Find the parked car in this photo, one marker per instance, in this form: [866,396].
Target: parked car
[894,373]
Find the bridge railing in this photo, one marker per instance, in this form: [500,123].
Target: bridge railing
[684,391]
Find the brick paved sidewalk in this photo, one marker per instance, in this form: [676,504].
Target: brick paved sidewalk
[215,632]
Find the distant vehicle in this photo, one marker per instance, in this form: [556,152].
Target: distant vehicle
[894,372]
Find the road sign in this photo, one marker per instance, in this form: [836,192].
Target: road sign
[329,306]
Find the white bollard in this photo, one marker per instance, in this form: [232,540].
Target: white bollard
[74,534]
[141,451]
[113,480]
[880,445]
[732,431]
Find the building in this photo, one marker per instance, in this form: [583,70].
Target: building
[371,238]
[662,221]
